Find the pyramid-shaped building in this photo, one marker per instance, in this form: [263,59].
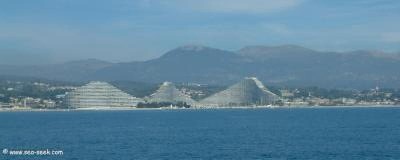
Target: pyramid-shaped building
[249,91]
[100,95]
[168,93]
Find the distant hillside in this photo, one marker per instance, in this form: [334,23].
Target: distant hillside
[11,57]
[70,71]
[294,65]
[284,51]
[286,65]
[183,64]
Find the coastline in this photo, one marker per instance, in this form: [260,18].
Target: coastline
[195,108]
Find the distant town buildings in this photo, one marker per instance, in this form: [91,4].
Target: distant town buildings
[249,92]
[286,93]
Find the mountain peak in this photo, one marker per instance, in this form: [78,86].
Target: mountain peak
[194,48]
[291,46]
[88,60]
[280,48]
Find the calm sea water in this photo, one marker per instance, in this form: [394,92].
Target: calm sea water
[335,133]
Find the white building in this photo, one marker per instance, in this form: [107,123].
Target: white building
[100,95]
[170,94]
[249,91]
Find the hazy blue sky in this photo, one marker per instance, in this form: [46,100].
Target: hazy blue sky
[128,30]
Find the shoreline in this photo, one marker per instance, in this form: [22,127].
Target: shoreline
[195,108]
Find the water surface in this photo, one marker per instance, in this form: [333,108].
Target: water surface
[331,133]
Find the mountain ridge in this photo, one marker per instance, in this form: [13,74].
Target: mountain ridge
[287,65]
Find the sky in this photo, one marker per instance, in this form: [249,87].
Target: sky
[136,30]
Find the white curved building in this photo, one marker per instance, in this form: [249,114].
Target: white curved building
[249,91]
[170,94]
[100,95]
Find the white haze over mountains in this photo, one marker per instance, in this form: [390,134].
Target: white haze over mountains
[21,58]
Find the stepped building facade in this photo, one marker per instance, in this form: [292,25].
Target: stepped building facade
[100,95]
[168,93]
[249,91]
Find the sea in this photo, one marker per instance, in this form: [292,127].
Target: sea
[282,133]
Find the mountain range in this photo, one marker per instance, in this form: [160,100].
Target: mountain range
[286,65]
